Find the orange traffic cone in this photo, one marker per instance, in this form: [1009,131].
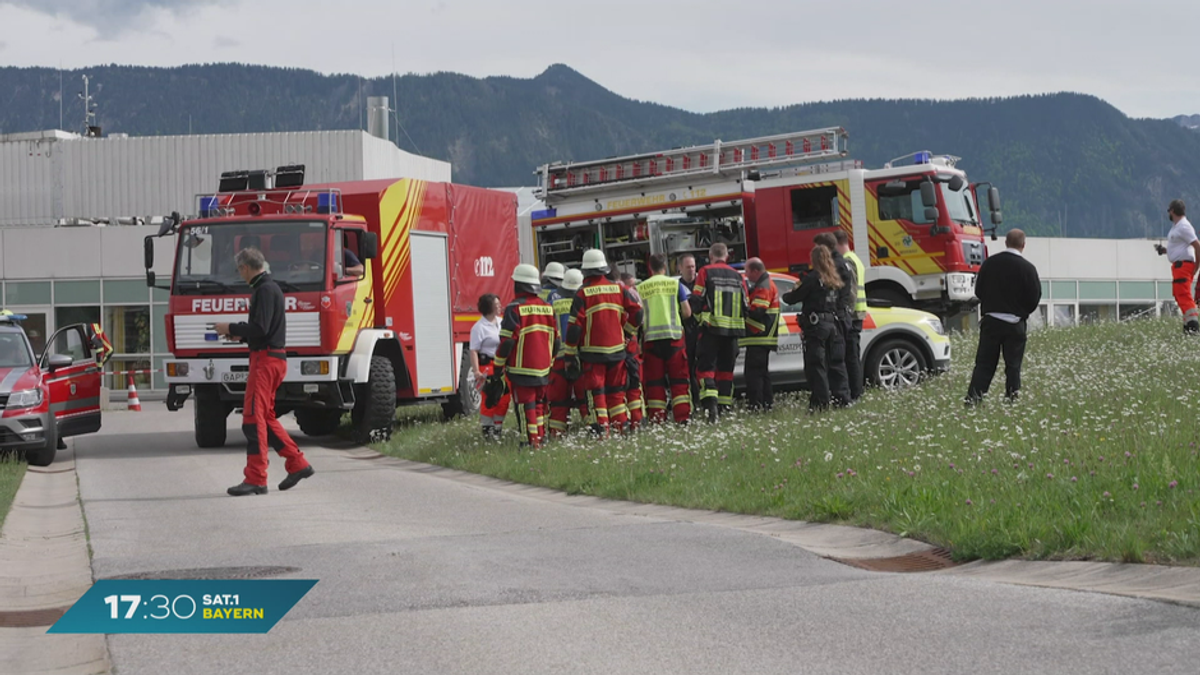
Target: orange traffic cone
[134,404]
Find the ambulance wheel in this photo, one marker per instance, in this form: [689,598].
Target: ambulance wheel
[466,402]
[44,456]
[895,364]
[318,421]
[894,296]
[374,411]
[210,414]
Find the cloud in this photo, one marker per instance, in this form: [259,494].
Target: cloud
[223,42]
[109,17]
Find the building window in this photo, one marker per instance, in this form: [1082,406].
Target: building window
[1064,315]
[1097,290]
[76,293]
[1062,290]
[117,375]
[126,291]
[1130,311]
[27,293]
[128,328]
[1094,313]
[1045,289]
[65,316]
[1038,318]
[1137,290]
[1165,291]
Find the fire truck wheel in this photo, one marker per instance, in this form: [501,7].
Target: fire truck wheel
[318,421]
[895,364]
[375,406]
[210,414]
[44,456]
[466,402]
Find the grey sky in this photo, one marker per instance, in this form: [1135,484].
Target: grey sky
[699,55]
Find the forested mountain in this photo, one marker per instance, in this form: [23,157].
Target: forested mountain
[1066,164]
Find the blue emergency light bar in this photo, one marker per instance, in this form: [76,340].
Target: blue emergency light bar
[327,202]
[923,157]
[12,318]
[210,207]
[543,214]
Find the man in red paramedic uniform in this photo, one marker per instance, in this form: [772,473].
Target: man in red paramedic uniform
[265,334]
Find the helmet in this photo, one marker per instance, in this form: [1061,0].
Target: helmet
[594,261]
[526,274]
[572,280]
[554,272]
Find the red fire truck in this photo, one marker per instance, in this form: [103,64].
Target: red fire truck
[381,280]
[917,217]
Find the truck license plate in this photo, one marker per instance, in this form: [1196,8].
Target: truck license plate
[234,377]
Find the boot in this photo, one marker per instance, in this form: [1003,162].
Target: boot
[243,489]
[710,406]
[1191,328]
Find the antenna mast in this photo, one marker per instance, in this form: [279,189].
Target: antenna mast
[89,112]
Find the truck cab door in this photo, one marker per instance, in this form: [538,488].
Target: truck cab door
[75,389]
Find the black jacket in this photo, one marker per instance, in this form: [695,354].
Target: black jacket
[267,324]
[815,297]
[1008,284]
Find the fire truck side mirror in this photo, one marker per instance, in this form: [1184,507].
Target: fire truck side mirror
[997,218]
[994,200]
[928,194]
[931,214]
[148,252]
[369,247]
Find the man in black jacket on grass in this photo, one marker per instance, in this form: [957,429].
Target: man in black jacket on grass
[1009,291]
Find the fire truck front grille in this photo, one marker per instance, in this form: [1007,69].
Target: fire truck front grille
[303,330]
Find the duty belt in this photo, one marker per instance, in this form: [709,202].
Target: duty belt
[815,317]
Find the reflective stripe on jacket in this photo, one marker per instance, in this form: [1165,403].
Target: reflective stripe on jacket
[720,297]
[527,341]
[860,285]
[762,320]
[603,315]
[660,297]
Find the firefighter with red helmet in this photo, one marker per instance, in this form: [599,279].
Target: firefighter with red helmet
[528,342]
[665,352]
[563,394]
[602,316]
[719,299]
[762,335]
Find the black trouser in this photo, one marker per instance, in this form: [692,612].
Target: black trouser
[839,377]
[824,360]
[758,378]
[691,338]
[996,336]
[854,369]
[716,356]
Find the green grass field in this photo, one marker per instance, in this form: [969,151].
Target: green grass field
[11,472]
[1098,461]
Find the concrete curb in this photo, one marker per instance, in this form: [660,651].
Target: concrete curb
[1179,585]
[44,565]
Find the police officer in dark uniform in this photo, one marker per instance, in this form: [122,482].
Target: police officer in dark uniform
[839,377]
[818,291]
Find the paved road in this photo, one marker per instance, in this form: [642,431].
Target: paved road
[420,574]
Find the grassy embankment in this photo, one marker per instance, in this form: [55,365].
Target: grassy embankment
[1097,461]
[12,470]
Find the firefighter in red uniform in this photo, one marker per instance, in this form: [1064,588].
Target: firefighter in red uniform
[528,342]
[562,393]
[719,299]
[602,316]
[634,401]
[666,363]
[265,335]
[762,335]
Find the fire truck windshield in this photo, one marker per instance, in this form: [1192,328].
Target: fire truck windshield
[294,251]
[959,204]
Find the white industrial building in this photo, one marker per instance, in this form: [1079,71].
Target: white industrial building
[67,254]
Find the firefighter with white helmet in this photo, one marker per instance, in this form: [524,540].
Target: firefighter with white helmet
[552,278]
[562,393]
[603,314]
[528,342]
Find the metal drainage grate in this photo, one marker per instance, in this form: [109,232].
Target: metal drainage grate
[31,618]
[923,561]
[212,573]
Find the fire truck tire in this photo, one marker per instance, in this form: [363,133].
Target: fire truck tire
[44,456]
[318,421]
[210,414]
[374,411]
[466,402]
[895,364]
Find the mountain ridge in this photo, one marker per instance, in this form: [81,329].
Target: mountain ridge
[1067,164]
